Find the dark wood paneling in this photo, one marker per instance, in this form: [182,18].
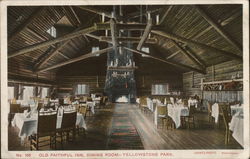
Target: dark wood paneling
[223,71]
[67,83]
[144,83]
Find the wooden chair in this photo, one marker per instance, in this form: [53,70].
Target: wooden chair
[14,108]
[190,118]
[68,126]
[209,111]
[162,114]
[82,110]
[46,128]
[143,104]
[226,118]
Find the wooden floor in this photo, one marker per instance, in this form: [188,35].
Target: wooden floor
[99,126]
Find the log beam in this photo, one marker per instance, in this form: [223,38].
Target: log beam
[52,54]
[51,42]
[126,39]
[25,24]
[132,26]
[179,65]
[165,15]
[85,56]
[218,28]
[95,10]
[189,55]
[196,44]
[145,34]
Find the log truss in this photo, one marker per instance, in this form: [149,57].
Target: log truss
[181,43]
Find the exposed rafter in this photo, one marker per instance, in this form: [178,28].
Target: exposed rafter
[139,14]
[25,24]
[189,55]
[52,54]
[96,11]
[145,34]
[179,65]
[172,55]
[196,44]
[53,41]
[218,28]
[156,30]
[165,14]
[85,56]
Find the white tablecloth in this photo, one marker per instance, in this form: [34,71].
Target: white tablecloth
[150,104]
[236,126]
[235,109]
[192,102]
[28,126]
[215,112]
[92,106]
[175,112]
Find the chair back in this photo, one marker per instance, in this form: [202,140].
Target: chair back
[39,106]
[225,113]
[89,99]
[46,122]
[162,110]
[83,110]
[77,107]
[185,102]
[191,110]
[68,119]
[15,108]
[61,101]
[209,106]
[143,101]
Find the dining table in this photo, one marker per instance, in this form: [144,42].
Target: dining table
[91,105]
[27,123]
[176,112]
[236,108]
[215,112]
[236,126]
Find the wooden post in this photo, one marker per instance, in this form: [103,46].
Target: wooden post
[188,55]
[145,34]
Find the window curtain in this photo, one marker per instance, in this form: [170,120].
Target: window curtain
[159,89]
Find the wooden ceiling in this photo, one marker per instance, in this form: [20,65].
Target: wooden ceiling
[187,38]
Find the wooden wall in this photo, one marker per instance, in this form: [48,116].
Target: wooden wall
[67,83]
[144,83]
[223,71]
[22,71]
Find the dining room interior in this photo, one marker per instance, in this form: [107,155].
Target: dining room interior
[125,77]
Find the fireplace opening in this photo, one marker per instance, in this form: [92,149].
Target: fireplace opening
[122,99]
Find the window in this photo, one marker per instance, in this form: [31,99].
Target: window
[82,89]
[94,49]
[52,31]
[45,92]
[160,89]
[28,92]
[10,92]
[145,50]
